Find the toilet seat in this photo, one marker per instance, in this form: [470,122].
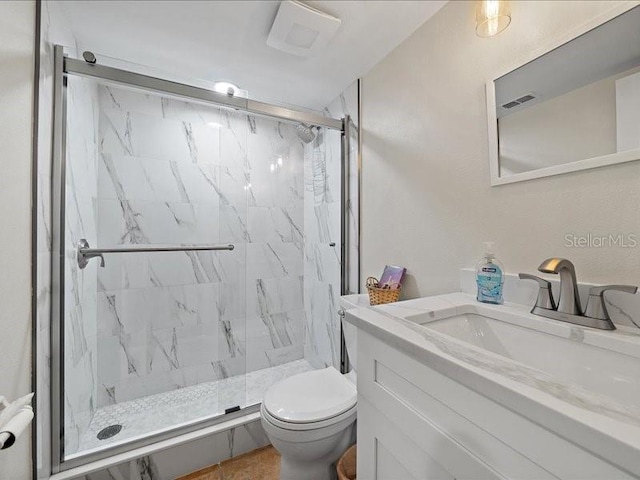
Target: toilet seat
[323,427]
[310,400]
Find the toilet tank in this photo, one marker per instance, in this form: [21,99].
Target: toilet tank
[351,341]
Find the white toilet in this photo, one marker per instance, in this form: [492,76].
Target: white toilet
[310,418]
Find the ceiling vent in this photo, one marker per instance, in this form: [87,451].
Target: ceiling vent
[519,101]
[301,30]
[510,104]
[526,98]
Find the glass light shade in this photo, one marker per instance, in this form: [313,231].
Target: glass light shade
[492,17]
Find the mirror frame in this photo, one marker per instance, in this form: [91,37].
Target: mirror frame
[492,118]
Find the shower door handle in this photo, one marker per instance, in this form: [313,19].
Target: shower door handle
[86,253]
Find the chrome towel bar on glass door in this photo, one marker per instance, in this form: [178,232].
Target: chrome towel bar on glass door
[86,253]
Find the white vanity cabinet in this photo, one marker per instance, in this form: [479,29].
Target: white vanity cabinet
[416,423]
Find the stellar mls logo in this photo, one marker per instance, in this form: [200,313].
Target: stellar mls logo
[618,240]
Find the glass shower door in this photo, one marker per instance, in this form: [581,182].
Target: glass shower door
[152,340]
[159,342]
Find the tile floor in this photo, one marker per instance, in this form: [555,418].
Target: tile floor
[262,464]
[153,414]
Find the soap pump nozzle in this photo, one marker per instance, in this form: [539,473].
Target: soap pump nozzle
[488,250]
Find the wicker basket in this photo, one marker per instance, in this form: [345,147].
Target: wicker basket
[379,296]
[347,465]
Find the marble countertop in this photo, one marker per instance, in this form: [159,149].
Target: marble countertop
[596,422]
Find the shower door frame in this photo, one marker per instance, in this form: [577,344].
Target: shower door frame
[65,66]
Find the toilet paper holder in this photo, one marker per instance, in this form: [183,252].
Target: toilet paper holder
[15,417]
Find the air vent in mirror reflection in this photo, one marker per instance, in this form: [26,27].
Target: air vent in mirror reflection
[519,101]
[510,104]
[526,98]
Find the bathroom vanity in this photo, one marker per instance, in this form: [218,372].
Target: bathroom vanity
[451,388]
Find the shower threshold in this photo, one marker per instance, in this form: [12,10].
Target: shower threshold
[156,413]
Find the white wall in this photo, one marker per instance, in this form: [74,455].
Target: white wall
[577,125]
[427,203]
[17,30]
[628,112]
[580,124]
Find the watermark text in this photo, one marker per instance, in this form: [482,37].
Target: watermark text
[589,240]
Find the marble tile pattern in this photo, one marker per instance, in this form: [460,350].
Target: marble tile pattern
[174,172]
[53,30]
[322,226]
[144,169]
[80,287]
[159,412]
[347,103]
[43,250]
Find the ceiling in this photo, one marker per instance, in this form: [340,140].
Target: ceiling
[226,40]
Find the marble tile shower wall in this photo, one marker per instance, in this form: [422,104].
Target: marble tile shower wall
[43,249]
[81,352]
[322,224]
[53,30]
[172,172]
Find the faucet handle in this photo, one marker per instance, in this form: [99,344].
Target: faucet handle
[621,288]
[545,296]
[596,308]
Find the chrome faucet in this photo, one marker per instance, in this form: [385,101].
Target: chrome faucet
[569,301]
[568,308]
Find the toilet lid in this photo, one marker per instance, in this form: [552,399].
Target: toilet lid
[310,396]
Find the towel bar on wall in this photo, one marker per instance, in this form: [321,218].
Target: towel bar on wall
[86,253]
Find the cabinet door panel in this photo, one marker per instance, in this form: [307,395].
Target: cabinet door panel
[388,467]
[381,443]
[502,439]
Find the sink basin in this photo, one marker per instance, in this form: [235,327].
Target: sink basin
[599,370]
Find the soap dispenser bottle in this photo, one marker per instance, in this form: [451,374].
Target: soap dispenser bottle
[489,277]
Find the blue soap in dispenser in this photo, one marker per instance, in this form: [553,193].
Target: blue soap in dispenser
[489,277]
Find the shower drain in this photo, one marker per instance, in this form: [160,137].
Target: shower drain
[109,431]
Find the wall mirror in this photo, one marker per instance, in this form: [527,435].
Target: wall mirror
[573,108]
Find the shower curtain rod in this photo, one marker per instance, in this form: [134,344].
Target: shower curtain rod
[125,77]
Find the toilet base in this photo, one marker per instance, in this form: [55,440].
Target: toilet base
[293,467]
[296,471]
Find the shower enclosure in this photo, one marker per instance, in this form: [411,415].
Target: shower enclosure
[200,247]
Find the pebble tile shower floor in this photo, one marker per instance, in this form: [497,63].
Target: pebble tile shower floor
[152,414]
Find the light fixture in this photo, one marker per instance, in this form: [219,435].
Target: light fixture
[225,88]
[277,165]
[492,17]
